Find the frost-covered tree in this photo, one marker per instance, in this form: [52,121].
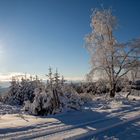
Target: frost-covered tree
[62,80]
[42,104]
[50,78]
[55,97]
[53,84]
[134,76]
[56,79]
[46,102]
[38,99]
[22,90]
[107,55]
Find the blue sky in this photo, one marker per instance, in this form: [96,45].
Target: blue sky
[36,34]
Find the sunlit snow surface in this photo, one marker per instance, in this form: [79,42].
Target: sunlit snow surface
[100,119]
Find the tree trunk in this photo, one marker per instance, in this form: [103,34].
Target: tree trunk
[56,99]
[112,90]
[128,94]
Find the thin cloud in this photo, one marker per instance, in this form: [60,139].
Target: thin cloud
[8,76]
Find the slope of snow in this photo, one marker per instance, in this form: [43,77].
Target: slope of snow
[100,118]
[15,121]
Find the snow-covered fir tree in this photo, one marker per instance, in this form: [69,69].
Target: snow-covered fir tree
[21,90]
[39,98]
[56,97]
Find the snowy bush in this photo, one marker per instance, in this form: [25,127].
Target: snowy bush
[8,109]
[42,104]
[54,101]
[55,97]
[85,97]
[71,99]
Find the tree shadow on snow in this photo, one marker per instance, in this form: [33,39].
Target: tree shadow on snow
[86,119]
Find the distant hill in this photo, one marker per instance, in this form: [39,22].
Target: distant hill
[3,90]
[4,84]
[4,87]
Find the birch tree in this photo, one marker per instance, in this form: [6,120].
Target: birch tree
[107,55]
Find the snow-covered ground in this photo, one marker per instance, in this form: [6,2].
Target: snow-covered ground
[101,119]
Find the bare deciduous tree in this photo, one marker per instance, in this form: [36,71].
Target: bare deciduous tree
[107,55]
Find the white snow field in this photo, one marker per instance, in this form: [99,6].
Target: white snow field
[101,119]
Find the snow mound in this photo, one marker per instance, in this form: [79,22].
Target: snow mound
[8,109]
